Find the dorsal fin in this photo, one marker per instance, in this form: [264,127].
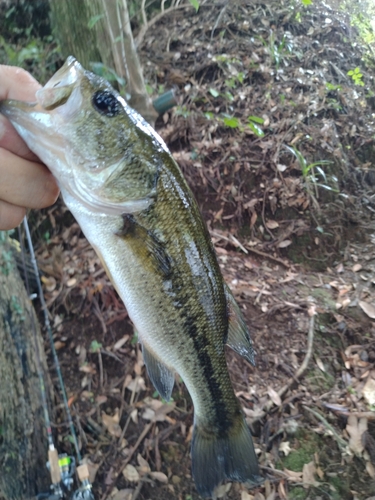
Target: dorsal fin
[238,333]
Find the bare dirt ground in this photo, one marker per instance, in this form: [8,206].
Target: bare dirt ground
[308,446]
[295,244]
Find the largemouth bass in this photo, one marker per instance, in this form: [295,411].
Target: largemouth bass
[129,196]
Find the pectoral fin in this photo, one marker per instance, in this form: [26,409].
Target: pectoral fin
[238,333]
[160,375]
[146,245]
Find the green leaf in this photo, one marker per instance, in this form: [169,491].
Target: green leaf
[300,158]
[214,92]
[307,2]
[231,121]
[95,346]
[229,96]
[257,130]
[93,20]
[256,119]
[195,4]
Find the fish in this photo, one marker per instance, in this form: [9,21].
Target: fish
[130,198]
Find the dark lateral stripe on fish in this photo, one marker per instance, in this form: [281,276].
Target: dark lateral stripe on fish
[200,345]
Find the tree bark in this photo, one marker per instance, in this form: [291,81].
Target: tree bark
[70,20]
[110,41]
[23,440]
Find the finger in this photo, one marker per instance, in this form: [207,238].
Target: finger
[25,183]
[15,83]
[10,215]
[9,139]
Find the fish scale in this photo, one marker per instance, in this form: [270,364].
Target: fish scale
[129,196]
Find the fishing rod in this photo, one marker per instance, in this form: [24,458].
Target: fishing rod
[61,466]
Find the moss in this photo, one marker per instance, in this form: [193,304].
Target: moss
[325,296]
[297,493]
[320,381]
[305,445]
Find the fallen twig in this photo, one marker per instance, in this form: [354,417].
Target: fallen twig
[301,370]
[341,442]
[267,256]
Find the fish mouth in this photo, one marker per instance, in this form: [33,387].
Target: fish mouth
[39,115]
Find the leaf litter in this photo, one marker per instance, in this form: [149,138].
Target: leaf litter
[310,400]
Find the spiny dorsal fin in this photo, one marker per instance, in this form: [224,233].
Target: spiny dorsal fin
[238,333]
[160,375]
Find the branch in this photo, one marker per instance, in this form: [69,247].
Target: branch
[301,370]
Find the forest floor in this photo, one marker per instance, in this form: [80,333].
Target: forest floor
[252,79]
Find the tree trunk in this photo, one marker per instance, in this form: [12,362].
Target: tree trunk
[23,441]
[109,41]
[70,20]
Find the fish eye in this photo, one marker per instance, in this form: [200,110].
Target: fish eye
[106,103]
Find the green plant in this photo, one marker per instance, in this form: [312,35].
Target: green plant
[312,174]
[95,346]
[330,87]
[278,50]
[195,4]
[182,111]
[253,123]
[109,74]
[357,76]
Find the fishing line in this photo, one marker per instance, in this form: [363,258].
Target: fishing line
[50,336]
[37,350]
[61,466]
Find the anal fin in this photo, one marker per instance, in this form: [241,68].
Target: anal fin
[238,333]
[160,375]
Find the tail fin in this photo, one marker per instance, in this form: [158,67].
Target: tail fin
[217,458]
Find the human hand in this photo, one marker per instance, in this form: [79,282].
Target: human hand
[24,181]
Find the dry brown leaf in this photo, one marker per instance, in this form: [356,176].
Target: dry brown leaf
[253,219]
[71,282]
[284,244]
[320,364]
[272,495]
[143,468]
[285,448]
[126,494]
[93,469]
[112,423]
[159,476]
[130,473]
[355,428]
[367,308]
[281,491]
[59,345]
[222,490]
[137,384]
[274,396]
[246,496]
[259,496]
[370,470]
[368,391]
[121,342]
[356,268]
[293,476]
[272,224]
[308,473]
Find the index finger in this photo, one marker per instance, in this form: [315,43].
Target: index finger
[15,83]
